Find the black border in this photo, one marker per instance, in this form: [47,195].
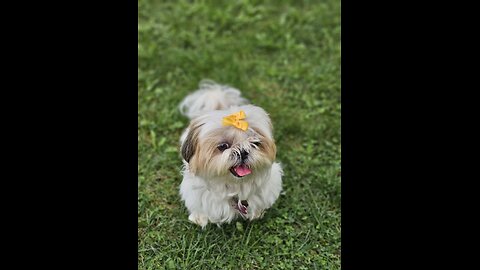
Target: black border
[401,190]
[74,104]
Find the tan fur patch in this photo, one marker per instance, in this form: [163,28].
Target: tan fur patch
[190,145]
[268,146]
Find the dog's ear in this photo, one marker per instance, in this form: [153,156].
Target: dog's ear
[189,145]
[268,144]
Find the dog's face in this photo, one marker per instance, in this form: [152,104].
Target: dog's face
[213,150]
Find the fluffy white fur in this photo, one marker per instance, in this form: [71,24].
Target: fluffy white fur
[210,96]
[209,190]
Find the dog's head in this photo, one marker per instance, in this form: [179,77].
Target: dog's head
[215,149]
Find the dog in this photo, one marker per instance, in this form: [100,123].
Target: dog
[228,151]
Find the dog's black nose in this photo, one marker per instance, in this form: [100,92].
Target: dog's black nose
[244,154]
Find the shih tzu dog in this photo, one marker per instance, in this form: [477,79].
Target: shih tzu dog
[228,154]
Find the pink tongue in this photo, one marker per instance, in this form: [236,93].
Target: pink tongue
[242,170]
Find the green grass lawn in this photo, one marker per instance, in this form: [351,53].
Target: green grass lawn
[285,57]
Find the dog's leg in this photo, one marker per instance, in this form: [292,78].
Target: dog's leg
[257,214]
[199,219]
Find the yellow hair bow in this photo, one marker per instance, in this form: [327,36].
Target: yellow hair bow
[235,120]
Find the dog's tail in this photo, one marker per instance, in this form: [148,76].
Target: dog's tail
[209,97]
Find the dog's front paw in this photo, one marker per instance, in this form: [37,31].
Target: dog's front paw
[257,214]
[199,219]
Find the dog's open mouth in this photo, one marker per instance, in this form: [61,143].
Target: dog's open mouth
[240,170]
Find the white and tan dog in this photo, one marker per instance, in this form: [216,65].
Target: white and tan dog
[228,153]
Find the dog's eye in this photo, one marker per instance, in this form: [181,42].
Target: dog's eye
[257,143]
[223,146]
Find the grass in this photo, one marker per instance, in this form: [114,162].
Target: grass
[285,57]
